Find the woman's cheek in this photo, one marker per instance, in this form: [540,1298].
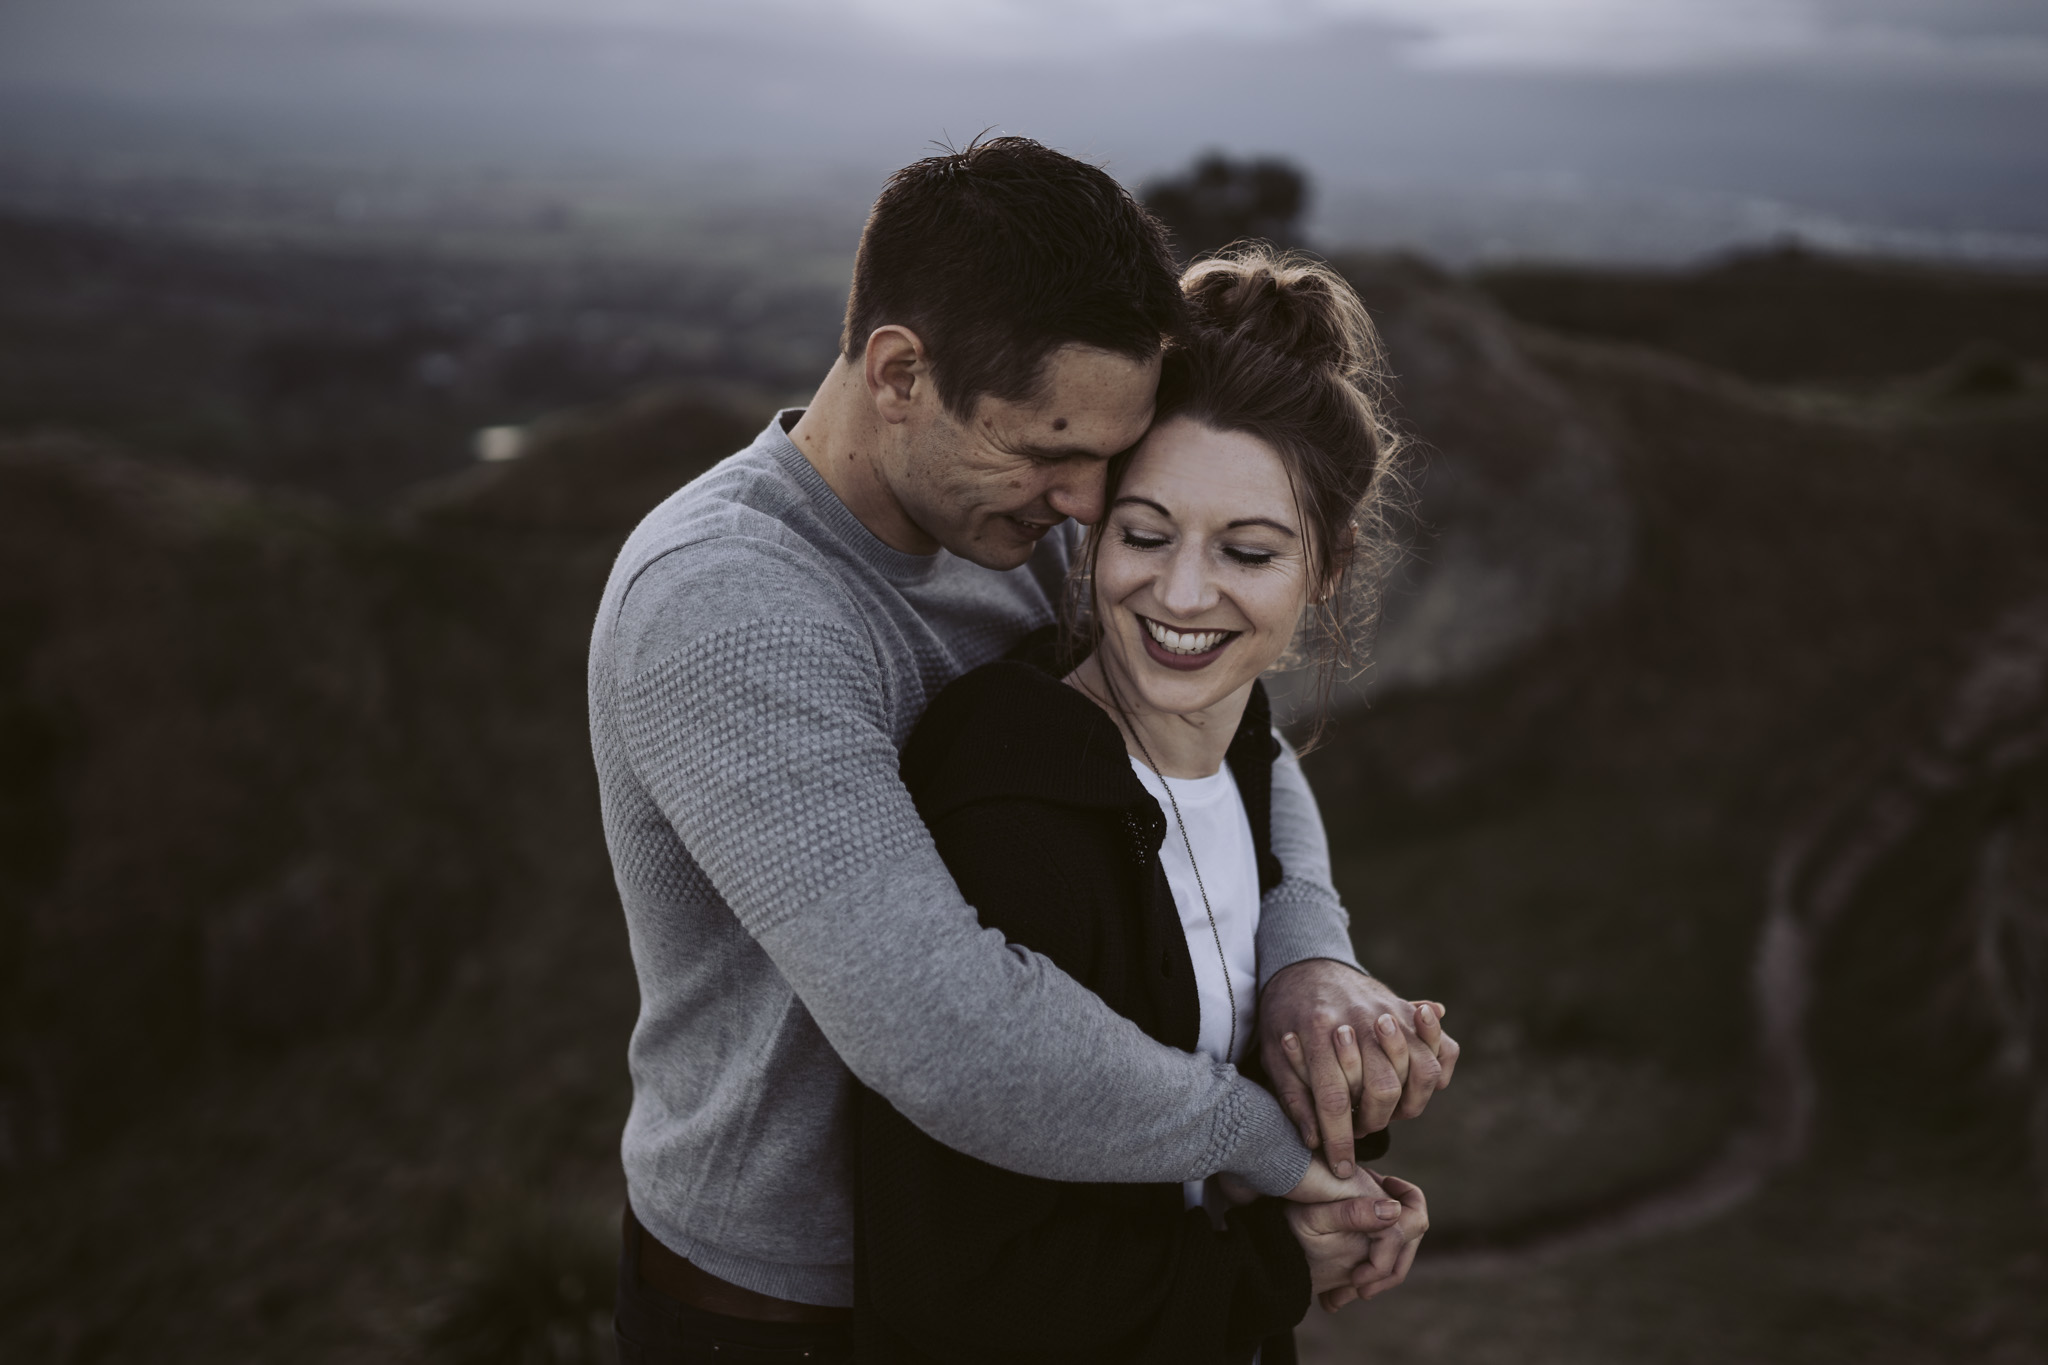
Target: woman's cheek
[1276,602]
[1113,573]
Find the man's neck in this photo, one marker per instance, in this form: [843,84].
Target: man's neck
[843,438]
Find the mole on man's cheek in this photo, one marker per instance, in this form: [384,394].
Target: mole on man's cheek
[1059,424]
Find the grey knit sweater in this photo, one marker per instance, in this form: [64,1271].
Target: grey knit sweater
[757,660]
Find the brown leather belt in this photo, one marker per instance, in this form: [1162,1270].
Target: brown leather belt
[667,1273]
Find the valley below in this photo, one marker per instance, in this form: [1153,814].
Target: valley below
[1701,768]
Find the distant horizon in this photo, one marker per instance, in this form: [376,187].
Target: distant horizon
[1575,129]
[818,209]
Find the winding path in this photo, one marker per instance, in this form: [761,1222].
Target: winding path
[1991,723]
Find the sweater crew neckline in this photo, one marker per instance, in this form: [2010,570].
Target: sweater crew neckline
[898,566]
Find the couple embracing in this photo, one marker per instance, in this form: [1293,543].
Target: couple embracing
[996,1005]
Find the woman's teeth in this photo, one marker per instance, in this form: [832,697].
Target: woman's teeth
[1185,641]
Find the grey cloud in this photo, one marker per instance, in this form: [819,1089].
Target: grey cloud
[836,94]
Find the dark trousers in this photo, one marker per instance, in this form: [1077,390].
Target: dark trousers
[1278,1349]
[654,1329]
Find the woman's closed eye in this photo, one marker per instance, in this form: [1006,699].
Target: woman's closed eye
[1251,556]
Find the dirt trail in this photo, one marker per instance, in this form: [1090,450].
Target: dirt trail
[1993,721]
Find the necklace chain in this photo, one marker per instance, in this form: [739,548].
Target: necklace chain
[1222,958]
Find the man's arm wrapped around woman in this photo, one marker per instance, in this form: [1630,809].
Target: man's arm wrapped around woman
[960,1260]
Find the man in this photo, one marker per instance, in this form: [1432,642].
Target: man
[768,637]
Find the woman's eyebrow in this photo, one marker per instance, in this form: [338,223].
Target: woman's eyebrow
[1282,527]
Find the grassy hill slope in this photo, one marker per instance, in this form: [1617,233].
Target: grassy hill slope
[318,995]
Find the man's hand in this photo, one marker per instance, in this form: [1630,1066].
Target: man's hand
[1340,1046]
[1362,1246]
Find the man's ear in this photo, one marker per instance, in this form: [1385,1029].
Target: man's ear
[896,372]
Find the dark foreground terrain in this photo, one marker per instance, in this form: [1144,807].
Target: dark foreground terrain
[1704,776]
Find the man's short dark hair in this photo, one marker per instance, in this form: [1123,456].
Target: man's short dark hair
[1000,253]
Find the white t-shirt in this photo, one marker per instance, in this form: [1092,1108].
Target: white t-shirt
[1221,833]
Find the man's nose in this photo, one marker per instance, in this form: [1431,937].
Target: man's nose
[1081,494]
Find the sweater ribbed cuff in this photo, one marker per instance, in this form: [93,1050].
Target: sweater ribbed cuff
[1265,1151]
[1297,923]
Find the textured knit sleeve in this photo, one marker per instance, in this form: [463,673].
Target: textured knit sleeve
[1302,917]
[752,709]
[958,1260]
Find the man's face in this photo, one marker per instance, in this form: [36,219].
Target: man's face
[990,488]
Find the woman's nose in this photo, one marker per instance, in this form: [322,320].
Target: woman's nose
[1186,590]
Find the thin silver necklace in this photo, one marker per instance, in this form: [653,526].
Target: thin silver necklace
[1229,991]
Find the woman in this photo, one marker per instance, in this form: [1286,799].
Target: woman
[1115,821]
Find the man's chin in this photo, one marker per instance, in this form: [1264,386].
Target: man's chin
[997,557]
[1004,543]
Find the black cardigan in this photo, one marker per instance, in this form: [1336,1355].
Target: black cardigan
[1028,792]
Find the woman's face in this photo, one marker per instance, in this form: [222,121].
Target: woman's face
[1204,568]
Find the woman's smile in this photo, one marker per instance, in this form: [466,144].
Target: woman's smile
[1183,649]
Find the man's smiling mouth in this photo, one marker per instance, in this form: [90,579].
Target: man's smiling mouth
[1187,644]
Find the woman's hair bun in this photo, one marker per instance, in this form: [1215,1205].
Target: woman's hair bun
[1283,302]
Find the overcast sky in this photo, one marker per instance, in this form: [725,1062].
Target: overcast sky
[1974,39]
[1927,112]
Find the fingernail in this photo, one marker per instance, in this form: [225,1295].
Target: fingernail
[1343,1170]
[1425,1012]
[1345,1033]
[1290,1042]
[1387,1024]
[1387,1208]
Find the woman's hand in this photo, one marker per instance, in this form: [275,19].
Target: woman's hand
[1336,1222]
[1390,1252]
[1359,1234]
[1337,1235]
[1319,1186]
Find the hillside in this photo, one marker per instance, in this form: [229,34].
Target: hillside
[317,993]
[1792,316]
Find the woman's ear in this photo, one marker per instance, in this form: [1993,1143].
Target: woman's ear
[1331,580]
[895,368]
